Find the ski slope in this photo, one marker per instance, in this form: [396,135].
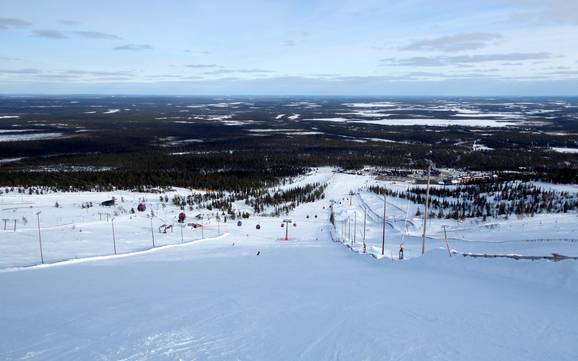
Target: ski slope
[211,297]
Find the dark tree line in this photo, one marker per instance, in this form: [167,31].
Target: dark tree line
[285,200]
[257,198]
[498,199]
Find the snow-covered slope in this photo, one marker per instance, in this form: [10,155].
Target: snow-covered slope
[309,298]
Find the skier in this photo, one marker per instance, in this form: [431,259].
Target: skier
[401,251]
[258,253]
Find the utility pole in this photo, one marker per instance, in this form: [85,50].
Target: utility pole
[364,227]
[355,228]
[348,228]
[113,236]
[384,218]
[446,239]
[364,222]
[40,238]
[426,209]
[152,232]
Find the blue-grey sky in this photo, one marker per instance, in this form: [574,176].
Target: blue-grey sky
[317,47]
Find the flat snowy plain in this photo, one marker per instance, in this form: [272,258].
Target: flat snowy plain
[309,298]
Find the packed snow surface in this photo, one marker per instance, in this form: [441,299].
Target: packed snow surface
[432,122]
[316,296]
[565,150]
[24,137]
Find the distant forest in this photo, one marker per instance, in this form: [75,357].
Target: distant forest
[152,143]
[242,170]
[487,200]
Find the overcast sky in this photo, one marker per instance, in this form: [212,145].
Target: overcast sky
[309,47]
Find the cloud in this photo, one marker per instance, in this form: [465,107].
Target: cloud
[57,76]
[20,71]
[324,75]
[69,22]
[95,35]
[134,47]
[66,75]
[50,34]
[561,72]
[254,71]
[238,71]
[204,52]
[100,73]
[9,58]
[289,43]
[56,34]
[9,23]
[457,42]
[546,12]
[465,59]
[203,66]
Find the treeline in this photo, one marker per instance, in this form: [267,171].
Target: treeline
[242,160]
[284,201]
[499,199]
[147,180]
[259,199]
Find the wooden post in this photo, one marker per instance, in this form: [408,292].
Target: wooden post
[364,222]
[446,238]
[40,238]
[384,218]
[113,235]
[152,232]
[426,210]
[355,228]
[348,228]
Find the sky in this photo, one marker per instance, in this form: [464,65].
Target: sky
[290,47]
